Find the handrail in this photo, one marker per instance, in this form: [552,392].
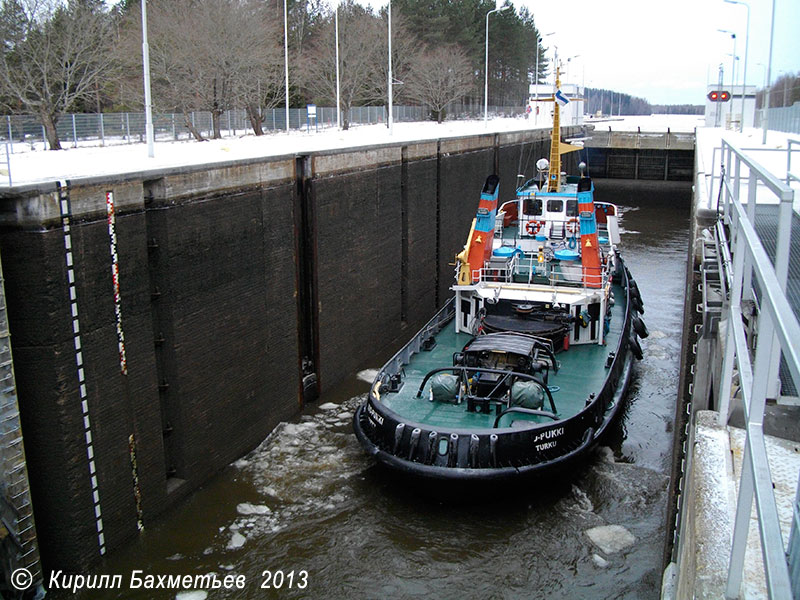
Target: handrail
[789,175]
[778,332]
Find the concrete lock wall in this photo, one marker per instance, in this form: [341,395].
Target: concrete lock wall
[229,276]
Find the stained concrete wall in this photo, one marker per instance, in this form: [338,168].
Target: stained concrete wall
[224,271]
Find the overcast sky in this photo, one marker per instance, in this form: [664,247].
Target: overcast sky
[667,51]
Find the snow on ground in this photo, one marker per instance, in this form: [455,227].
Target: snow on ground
[648,123]
[74,163]
[30,167]
[772,156]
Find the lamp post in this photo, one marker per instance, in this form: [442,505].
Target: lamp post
[286,58]
[148,102]
[536,75]
[486,67]
[390,121]
[338,94]
[733,66]
[769,77]
[566,75]
[746,46]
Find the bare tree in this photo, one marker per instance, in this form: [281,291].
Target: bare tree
[441,75]
[53,55]
[259,80]
[360,49]
[209,55]
[405,54]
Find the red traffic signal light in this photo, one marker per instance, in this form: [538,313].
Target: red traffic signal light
[719,96]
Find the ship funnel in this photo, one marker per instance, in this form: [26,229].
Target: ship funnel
[481,237]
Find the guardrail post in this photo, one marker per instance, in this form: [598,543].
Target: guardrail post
[752,190]
[734,310]
[11,134]
[102,131]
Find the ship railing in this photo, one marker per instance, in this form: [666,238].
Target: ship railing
[500,271]
[778,334]
[526,266]
[418,342]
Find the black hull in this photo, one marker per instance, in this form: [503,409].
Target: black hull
[503,454]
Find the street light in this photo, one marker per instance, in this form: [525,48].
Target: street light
[390,122]
[148,103]
[286,58]
[769,77]
[746,46]
[338,94]
[539,38]
[536,75]
[733,66]
[566,74]
[486,68]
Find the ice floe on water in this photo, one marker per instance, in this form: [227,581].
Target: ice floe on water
[611,538]
[245,508]
[368,375]
[301,471]
[599,561]
[237,541]
[192,595]
[582,501]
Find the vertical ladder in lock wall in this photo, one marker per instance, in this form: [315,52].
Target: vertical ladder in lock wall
[18,544]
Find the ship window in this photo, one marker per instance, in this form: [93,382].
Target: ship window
[572,208]
[554,206]
[532,207]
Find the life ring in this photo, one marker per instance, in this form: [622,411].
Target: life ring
[572,226]
[533,227]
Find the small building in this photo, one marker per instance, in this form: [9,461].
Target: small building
[729,114]
[540,102]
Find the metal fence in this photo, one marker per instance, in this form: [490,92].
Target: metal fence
[785,118]
[25,132]
[778,332]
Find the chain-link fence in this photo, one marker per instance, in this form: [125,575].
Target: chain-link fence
[25,132]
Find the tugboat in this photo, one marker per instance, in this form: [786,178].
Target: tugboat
[526,366]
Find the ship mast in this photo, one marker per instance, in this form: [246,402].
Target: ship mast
[554,174]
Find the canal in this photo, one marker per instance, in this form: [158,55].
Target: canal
[309,510]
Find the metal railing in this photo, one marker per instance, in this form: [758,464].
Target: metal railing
[792,146]
[789,175]
[778,332]
[25,132]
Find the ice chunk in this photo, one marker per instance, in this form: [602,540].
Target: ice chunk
[237,541]
[344,415]
[611,538]
[368,375]
[192,595]
[599,561]
[328,406]
[245,508]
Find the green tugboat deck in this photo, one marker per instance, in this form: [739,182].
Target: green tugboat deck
[582,372]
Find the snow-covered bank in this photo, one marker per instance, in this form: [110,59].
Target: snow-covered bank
[73,163]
